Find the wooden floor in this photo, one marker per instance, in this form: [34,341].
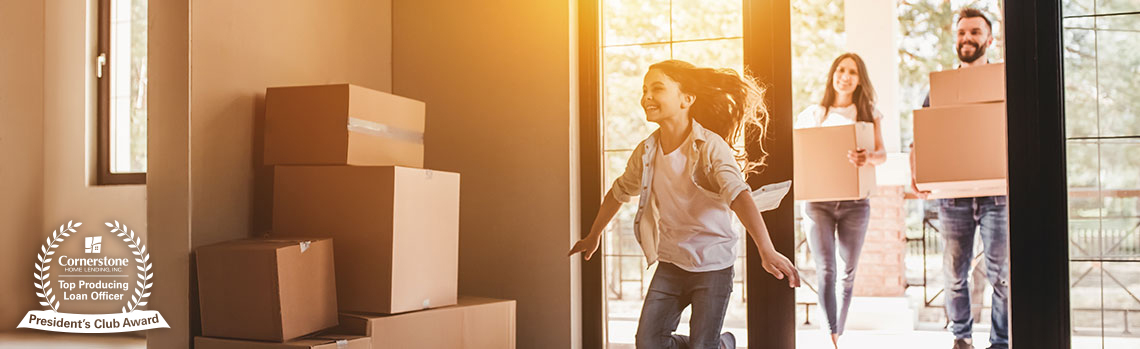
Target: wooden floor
[38,339]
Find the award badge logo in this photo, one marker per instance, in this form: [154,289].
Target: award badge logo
[95,292]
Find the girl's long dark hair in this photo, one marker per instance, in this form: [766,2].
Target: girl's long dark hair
[727,103]
[864,95]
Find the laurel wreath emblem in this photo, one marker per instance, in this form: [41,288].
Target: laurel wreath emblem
[143,258]
[134,242]
[46,251]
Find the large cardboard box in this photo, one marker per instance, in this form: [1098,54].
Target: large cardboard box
[331,341]
[960,151]
[474,323]
[821,169]
[260,289]
[342,124]
[977,84]
[396,231]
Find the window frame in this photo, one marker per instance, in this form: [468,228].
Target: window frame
[102,59]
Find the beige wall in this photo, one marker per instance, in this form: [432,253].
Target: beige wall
[240,48]
[499,79]
[21,151]
[69,123]
[209,185]
[168,172]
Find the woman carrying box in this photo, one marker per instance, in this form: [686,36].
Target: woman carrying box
[840,226]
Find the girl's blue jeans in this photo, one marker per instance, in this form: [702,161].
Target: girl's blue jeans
[673,289]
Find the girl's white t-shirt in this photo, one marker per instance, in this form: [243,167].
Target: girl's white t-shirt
[836,116]
[695,228]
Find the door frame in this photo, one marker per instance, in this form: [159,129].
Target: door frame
[1038,221]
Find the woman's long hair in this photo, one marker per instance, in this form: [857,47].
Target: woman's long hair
[864,95]
[727,103]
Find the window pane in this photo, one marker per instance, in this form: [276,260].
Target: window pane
[1118,64]
[1120,178]
[623,74]
[707,19]
[1077,7]
[634,21]
[1116,6]
[1080,80]
[713,53]
[1084,200]
[128,66]
[1086,303]
[1121,297]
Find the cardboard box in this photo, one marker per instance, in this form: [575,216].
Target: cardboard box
[960,151]
[332,341]
[273,290]
[977,84]
[821,169]
[342,124]
[474,323]
[396,231]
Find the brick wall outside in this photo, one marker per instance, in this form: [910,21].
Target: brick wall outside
[882,270]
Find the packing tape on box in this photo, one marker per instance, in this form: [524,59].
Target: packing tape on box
[377,129]
[305,244]
[341,343]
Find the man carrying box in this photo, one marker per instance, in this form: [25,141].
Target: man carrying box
[961,216]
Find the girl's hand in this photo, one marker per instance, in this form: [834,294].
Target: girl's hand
[858,157]
[588,245]
[779,266]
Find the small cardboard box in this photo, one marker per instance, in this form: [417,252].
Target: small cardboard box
[342,124]
[330,341]
[473,323]
[977,84]
[272,290]
[960,151]
[396,231]
[821,169]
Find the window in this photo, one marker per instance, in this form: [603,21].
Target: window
[636,34]
[1102,133]
[121,73]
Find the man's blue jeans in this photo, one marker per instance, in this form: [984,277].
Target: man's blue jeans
[960,219]
[673,289]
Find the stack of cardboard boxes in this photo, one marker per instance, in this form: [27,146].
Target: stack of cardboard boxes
[960,140]
[348,166]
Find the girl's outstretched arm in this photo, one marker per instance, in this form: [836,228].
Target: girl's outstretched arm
[589,244]
[774,262]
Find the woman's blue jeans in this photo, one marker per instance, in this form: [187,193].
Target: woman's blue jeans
[837,228]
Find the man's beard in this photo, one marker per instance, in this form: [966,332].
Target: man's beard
[979,51]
